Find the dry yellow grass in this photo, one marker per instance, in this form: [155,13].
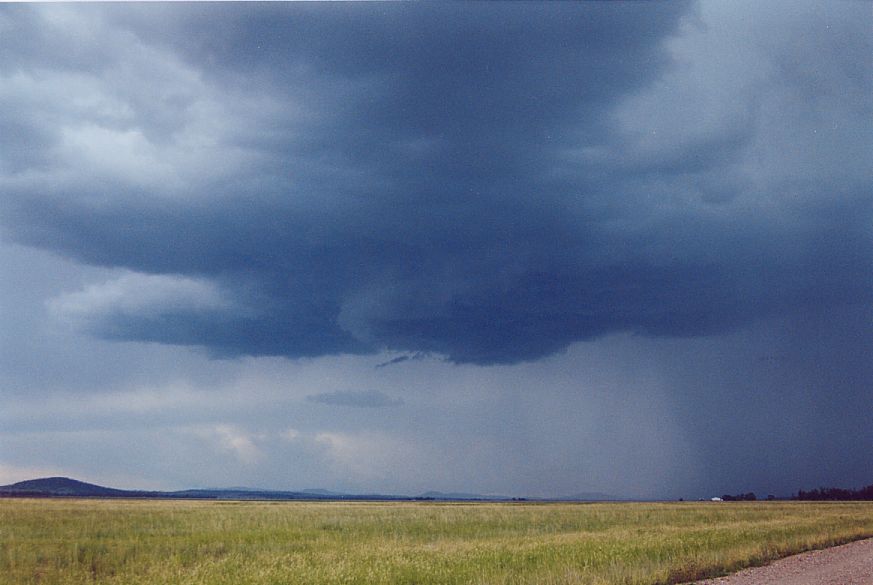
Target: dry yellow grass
[237,543]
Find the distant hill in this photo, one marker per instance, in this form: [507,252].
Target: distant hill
[322,493]
[237,494]
[63,486]
[72,488]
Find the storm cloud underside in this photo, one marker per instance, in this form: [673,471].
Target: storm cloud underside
[442,179]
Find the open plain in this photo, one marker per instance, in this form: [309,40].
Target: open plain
[77,541]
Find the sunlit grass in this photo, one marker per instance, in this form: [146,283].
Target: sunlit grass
[238,543]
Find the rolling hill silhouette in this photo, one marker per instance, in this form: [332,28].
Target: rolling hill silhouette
[53,487]
[64,486]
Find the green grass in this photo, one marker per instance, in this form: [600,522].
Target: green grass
[239,543]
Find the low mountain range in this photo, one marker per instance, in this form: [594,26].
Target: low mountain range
[66,487]
[72,488]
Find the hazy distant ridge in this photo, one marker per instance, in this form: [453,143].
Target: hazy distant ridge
[67,487]
[63,486]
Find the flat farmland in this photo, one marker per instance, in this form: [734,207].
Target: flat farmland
[151,542]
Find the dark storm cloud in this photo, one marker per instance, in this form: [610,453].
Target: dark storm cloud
[464,180]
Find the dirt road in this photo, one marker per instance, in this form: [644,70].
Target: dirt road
[849,564]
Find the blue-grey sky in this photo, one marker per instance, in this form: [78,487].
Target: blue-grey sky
[521,248]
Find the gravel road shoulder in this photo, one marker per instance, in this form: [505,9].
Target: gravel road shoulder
[848,564]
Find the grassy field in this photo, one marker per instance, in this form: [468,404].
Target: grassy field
[239,543]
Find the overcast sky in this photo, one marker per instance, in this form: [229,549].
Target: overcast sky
[518,248]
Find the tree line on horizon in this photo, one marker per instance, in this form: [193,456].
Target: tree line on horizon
[818,494]
[749,497]
[838,494]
